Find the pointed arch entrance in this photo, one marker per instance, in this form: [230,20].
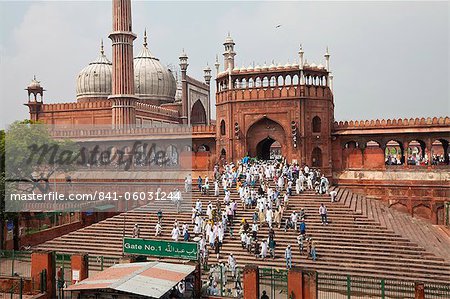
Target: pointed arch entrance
[198,114]
[266,139]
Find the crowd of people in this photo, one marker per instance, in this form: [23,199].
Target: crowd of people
[416,159]
[263,187]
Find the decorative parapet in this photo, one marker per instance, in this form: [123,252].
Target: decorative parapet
[109,132]
[76,106]
[393,123]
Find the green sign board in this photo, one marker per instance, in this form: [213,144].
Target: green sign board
[160,248]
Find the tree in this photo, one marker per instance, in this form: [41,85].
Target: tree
[30,156]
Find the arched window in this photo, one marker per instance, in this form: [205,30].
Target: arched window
[316,124]
[223,154]
[171,156]
[288,80]
[203,148]
[251,83]
[280,81]
[439,152]
[258,82]
[244,83]
[273,81]
[416,153]
[222,127]
[394,154]
[316,157]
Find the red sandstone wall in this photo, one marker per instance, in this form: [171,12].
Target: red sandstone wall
[45,235]
[80,113]
[422,199]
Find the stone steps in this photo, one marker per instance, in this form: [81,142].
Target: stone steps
[362,238]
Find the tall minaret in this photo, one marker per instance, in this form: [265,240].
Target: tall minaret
[228,55]
[184,98]
[122,97]
[327,59]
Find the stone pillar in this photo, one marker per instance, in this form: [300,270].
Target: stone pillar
[309,285]
[198,281]
[428,146]
[44,260]
[295,283]
[419,291]
[251,282]
[79,265]
[405,145]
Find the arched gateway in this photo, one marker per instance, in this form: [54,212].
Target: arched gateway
[265,139]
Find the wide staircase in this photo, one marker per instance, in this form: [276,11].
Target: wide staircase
[363,238]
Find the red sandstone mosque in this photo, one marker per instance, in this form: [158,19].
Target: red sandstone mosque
[260,110]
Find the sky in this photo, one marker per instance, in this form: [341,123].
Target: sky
[389,59]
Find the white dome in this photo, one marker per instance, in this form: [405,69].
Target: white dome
[279,66]
[228,40]
[243,69]
[35,84]
[94,81]
[265,67]
[287,65]
[272,66]
[153,81]
[250,68]
[257,67]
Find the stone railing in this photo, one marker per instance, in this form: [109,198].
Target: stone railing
[393,123]
[156,109]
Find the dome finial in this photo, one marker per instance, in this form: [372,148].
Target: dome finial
[145,37]
[102,51]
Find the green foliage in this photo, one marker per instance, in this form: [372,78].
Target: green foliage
[32,156]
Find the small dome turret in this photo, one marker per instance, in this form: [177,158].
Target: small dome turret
[272,66]
[35,84]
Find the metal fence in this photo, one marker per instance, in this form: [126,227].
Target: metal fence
[273,283]
[437,291]
[98,263]
[18,289]
[345,286]
[15,263]
[221,281]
